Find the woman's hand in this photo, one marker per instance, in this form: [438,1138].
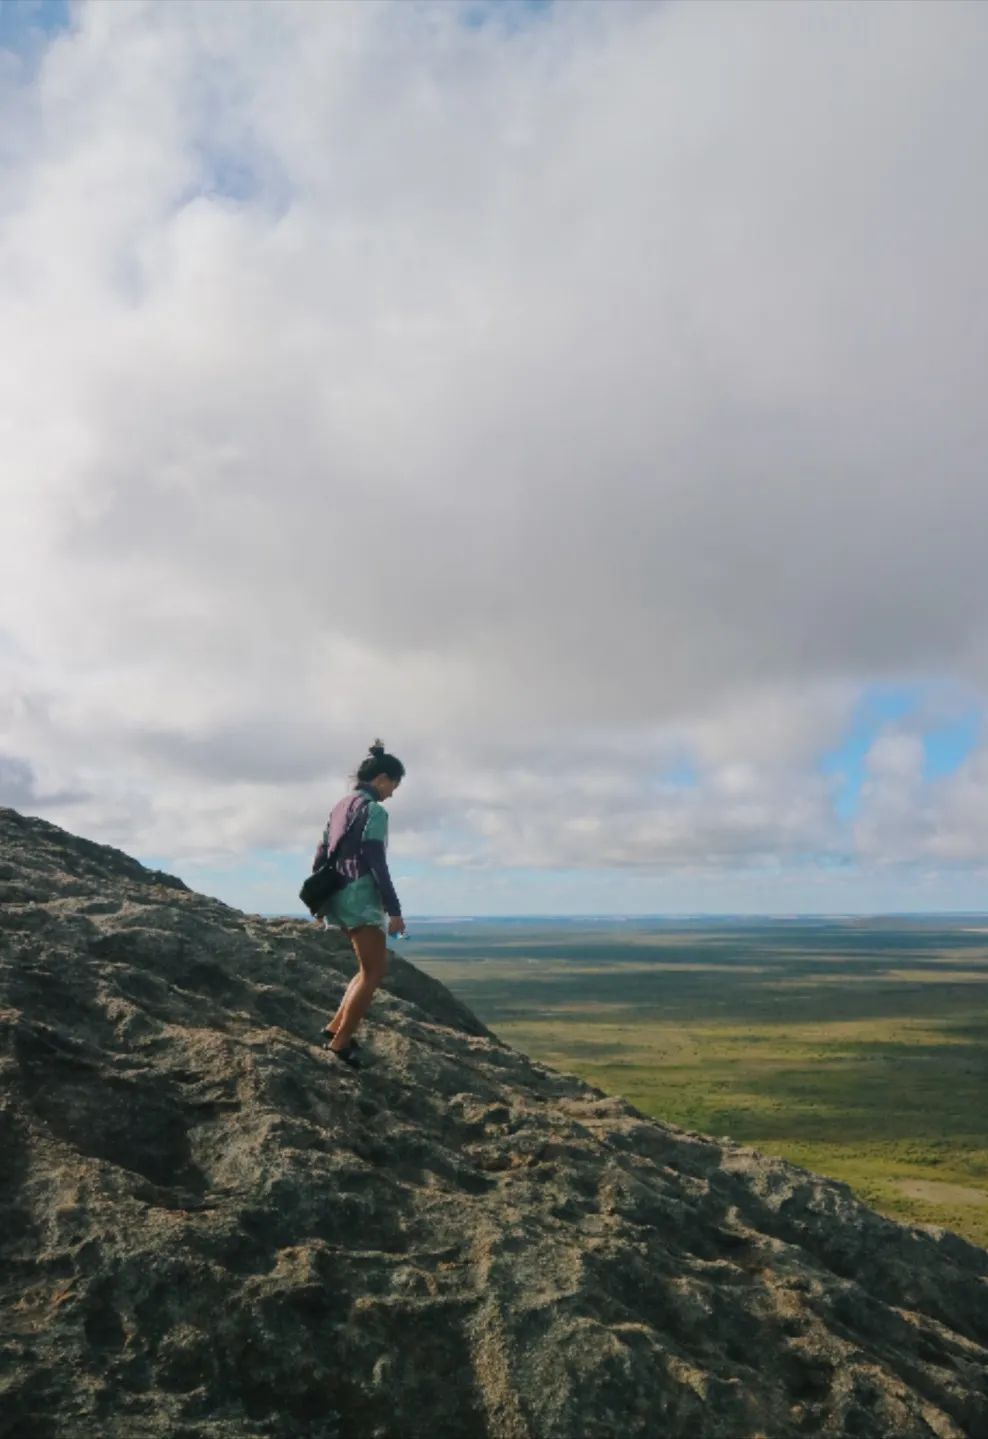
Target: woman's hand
[396,925]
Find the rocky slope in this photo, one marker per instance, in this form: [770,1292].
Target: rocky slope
[208,1227]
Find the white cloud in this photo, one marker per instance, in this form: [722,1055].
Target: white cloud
[959,832]
[558,402]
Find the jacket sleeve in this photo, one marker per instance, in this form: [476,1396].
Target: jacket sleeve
[373,852]
[373,848]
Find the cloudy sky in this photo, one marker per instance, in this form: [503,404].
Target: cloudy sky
[587,398]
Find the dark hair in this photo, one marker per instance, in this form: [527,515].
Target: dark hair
[378,762]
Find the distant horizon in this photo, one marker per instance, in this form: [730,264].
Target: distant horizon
[624,918]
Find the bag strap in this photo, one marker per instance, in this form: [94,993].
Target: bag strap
[358,810]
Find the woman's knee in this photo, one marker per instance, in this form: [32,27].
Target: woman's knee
[371,949]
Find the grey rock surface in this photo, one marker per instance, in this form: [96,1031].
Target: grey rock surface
[210,1228]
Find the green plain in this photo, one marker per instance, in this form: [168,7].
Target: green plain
[858,1049]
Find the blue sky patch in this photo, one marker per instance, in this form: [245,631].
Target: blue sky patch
[946,745]
[264,882]
[946,748]
[508,14]
[25,25]
[681,775]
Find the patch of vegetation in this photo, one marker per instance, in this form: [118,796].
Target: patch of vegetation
[858,1051]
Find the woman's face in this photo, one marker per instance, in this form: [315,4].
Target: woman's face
[385,785]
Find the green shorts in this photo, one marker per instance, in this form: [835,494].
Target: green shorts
[356,904]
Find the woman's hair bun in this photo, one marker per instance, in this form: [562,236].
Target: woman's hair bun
[378,762]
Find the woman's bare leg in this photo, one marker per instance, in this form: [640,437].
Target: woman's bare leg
[371,950]
[337,1018]
[334,1023]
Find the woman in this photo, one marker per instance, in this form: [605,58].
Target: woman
[367,906]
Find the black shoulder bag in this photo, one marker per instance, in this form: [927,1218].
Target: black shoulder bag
[324,882]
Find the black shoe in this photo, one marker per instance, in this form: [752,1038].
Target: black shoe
[348,1055]
[328,1035]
